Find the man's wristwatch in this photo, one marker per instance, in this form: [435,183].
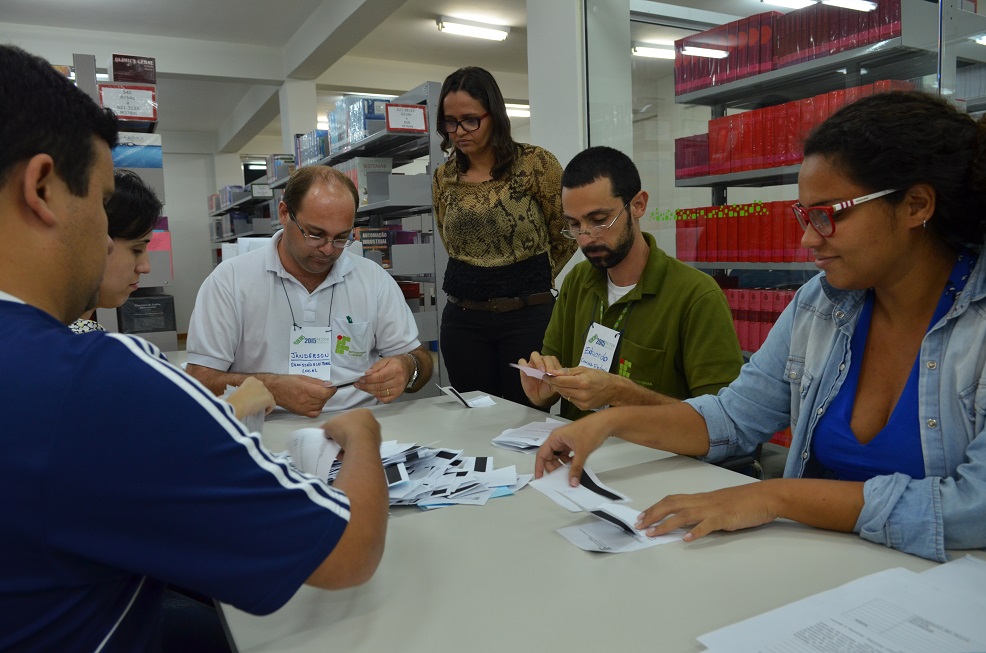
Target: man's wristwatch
[414,375]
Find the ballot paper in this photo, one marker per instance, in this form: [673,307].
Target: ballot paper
[587,496]
[614,531]
[476,402]
[895,610]
[311,451]
[532,371]
[423,476]
[527,438]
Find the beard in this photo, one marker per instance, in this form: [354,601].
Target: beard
[604,257]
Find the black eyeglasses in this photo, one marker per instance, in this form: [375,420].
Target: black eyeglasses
[450,126]
[596,230]
[822,218]
[321,241]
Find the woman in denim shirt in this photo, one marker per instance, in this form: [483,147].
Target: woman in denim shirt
[878,365]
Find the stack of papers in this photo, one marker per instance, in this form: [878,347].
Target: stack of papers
[527,438]
[897,610]
[614,531]
[416,475]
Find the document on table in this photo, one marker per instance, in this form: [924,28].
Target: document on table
[892,611]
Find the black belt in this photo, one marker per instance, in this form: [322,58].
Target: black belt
[503,304]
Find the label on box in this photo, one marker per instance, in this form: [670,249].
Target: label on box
[407,118]
[262,190]
[132,68]
[129,101]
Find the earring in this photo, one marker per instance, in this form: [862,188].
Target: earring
[924,224]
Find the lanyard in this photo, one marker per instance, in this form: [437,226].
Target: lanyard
[624,314]
[294,322]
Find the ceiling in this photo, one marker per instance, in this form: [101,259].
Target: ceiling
[394,35]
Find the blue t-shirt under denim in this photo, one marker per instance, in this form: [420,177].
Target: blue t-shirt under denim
[801,368]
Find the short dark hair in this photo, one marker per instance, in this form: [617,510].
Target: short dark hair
[42,112]
[902,138]
[302,179]
[133,209]
[480,85]
[601,162]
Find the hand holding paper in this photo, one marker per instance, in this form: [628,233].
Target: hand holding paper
[536,376]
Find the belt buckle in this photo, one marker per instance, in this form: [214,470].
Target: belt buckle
[498,304]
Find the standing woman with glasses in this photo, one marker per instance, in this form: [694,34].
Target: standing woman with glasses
[498,212]
[878,365]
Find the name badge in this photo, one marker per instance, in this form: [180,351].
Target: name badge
[600,347]
[310,352]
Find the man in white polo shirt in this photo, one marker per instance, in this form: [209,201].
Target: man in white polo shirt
[305,316]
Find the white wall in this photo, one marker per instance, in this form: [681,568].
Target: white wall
[189,179]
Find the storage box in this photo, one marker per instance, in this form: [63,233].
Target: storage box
[147,313]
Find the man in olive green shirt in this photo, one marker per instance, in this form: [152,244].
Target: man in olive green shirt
[631,325]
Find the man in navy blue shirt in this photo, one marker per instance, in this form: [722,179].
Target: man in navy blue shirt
[120,473]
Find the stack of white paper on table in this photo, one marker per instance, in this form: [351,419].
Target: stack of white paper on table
[897,610]
[527,438]
[421,476]
[614,530]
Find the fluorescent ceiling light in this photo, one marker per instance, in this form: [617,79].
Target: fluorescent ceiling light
[790,4]
[858,5]
[518,110]
[652,50]
[703,52]
[472,28]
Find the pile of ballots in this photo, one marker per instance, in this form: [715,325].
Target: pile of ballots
[416,475]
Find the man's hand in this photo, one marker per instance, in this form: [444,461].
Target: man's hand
[387,378]
[251,398]
[539,391]
[571,444]
[351,425]
[302,395]
[587,388]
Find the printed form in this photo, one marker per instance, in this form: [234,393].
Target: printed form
[892,611]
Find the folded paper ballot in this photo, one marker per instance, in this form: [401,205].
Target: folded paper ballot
[532,371]
[587,496]
[476,402]
[416,475]
[614,530]
[528,437]
[311,451]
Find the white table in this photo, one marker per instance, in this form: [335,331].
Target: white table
[498,578]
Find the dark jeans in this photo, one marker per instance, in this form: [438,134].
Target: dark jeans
[479,346]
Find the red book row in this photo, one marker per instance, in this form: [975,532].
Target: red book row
[772,40]
[821,30]
[771,137]
[748,42]
[764,232]
[754,312]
